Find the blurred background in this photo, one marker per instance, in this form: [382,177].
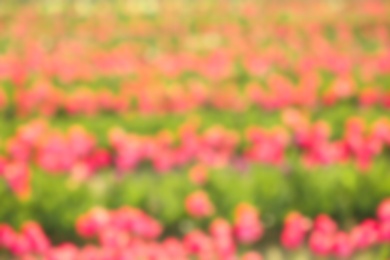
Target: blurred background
[194,129]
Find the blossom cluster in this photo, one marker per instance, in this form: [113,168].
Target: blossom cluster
[129,233]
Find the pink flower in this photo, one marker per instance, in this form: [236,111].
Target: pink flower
[92,222]
[365,234]
[383,210]
[19,245]
[113,238]
[63,252]
[294,230]
[80,172]
[292,238]
[324,224]
[220,228]
[224,247]
[320,243]
[18,149]
[100,158]
[384,231]
[174,248]
[135,221]
[36,238]
[199,205]
[18,178]
[197,242]
[80,142]
[222,232]
[151,228]
[369,96]
[342,245]
[3,164]
[7,236]
[198,174]
[247,226]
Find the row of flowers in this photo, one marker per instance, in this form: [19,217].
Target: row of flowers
[93,48]
[147,98]
[78,153]
[129,233]
[218,66]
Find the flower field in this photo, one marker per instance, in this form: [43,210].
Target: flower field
[212,130]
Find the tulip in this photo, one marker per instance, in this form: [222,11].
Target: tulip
[342,245]
[7,236]
[112,238]
[199,205]
[383,210]
[17,176]
[294,231]
[36,237]
[92,222]
[197,242]
[222,233]
[384,231]
[320,243]
[365,234]
[247,226]
[324,224]
[198,174]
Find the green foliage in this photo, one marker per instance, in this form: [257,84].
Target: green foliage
[338,190]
